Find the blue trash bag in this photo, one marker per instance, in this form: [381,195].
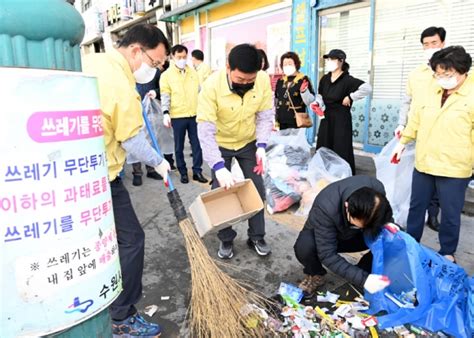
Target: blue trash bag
[441,288]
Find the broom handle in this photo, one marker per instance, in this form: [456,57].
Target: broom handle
[155,143]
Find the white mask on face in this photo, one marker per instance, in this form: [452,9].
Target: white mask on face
[331,65]
[181,63]
[448,83]
[289,70]
[428,53]
[144,74]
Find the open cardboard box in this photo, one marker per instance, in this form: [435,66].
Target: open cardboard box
[221,208]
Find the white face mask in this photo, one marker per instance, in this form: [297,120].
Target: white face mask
[181,63]
[144,74]
[428,53]
[448,83]
[331,65]
[289,70]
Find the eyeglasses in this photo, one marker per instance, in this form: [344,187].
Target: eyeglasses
[154,63]
[444,76]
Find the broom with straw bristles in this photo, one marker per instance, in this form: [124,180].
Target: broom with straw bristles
[220,307]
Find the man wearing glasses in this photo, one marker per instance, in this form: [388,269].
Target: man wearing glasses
[138,54]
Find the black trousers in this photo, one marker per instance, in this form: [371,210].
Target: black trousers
[247,161]
[307,254]
[131,243]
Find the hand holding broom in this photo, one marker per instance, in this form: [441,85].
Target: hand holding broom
[218,302]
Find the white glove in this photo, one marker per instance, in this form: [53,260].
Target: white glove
[225,178]
[261,156]
[163,168]
[397,153]
[376,283]
[167,120]
[151,94]
[398,132]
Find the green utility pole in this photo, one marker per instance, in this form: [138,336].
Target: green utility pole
[40,34]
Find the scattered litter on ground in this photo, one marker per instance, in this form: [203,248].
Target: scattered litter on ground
[150,310]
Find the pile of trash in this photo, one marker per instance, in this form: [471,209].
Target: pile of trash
[294,176]
[328,317]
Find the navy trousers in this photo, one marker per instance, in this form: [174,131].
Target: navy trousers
[180,126]
[451,194]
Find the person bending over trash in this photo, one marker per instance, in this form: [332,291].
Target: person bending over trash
[342,215]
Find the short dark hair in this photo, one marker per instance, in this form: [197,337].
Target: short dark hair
[179,49]
[245,58]
[454,57]
[294,57]
[371,207]
[432,31]
[198,54]
[264,59]
[146,35]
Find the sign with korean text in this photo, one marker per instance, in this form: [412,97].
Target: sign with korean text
[58,245]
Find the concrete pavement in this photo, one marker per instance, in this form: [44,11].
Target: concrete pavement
[167,272]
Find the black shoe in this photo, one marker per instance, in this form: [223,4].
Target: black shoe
[433,223]
[154,175]
[200,178]
[173,167]
[260,246]
[226,250]
[137,180]
[184,179]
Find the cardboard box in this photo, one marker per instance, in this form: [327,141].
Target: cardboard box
[220,208]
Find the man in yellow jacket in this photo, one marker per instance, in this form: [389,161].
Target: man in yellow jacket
[140,51]
[432,40]
[235,118]
[202,69]
[442,124]
[179,86]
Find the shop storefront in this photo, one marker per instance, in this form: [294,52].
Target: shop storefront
[107,20]
[216,29]
[382,41]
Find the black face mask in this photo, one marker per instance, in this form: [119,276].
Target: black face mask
[240,89]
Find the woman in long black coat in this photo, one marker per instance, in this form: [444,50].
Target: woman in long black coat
[339,90]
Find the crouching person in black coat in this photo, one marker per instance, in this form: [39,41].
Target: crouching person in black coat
[342,215]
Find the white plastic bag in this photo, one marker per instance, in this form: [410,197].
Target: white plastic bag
[164,136]
[288,155]
[328,165]
[324,168]
[397,179]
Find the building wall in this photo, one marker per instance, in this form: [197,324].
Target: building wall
[382,42]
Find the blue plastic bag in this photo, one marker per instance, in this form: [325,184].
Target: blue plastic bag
[441,287]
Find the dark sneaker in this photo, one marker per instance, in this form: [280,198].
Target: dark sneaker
[137,180]
[173,167]
[154,175]
[226,250]
[311,283]
[260,246]
[136,326]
